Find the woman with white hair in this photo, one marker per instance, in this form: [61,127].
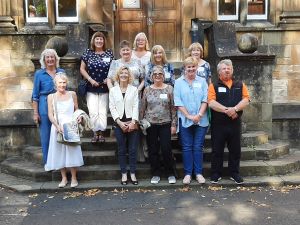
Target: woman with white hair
[61,106]
[141,50]
[43,85]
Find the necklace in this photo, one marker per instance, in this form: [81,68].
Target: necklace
[123,89]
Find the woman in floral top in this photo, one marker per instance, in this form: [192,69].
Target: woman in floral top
[134,65]
[203,70]
[158,109]
[95,63]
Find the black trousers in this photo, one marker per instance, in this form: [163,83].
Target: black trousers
[160,134]
[230,134]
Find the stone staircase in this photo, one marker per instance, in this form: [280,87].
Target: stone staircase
[260,157]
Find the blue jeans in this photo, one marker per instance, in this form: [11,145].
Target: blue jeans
[192,141]
[45,129]
[127,141]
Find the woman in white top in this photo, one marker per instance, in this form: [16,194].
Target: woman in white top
[123,105]
[141,49]
[61,156]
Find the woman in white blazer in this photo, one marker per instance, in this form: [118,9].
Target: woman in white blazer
[123,105]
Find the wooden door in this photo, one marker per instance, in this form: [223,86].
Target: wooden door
[159,19]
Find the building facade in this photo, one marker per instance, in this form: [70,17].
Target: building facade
[27,25]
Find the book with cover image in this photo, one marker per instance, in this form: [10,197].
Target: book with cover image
[71,132]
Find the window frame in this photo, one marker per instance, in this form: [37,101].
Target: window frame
[228,17]
[36,19]
[60,19]
[260,16]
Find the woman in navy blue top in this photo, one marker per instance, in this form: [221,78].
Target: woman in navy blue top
[43,85]
[158,57]
[95,63]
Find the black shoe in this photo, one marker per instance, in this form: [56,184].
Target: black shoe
[135,182]
[215,179]
[237,179]
[124,182]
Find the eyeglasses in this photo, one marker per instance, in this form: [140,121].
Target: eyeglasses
[158,74]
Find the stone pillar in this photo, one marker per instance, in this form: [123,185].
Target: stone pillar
[6,21]
[290,16]
[94,10]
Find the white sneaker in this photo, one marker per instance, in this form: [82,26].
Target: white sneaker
[200,179]
[187,179]
[172,180]
[155,180]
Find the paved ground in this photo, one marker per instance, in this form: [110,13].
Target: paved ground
[180,206]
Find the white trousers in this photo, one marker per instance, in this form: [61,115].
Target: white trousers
[97,104]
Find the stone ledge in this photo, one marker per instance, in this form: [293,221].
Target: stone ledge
[286,111]
[16,117]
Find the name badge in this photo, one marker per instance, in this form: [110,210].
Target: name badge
[106,59]
[200,69]
[222,89]
[197,85]
[163,96]
[167,75]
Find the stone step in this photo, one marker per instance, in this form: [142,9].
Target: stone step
[249,139]
[20,167]
[271,150]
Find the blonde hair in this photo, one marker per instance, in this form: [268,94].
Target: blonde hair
[92,43]
[190,60]
[117,76]
[48,51]
[141,34]
[155,49]
[194,46]
[60,75]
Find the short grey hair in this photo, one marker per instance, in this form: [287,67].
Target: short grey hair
[227,62]
[60,75]
[48,51]
[157,67]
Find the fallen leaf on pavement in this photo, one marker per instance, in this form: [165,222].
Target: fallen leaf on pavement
[74,194]
[91,192]
[33,195]
[185,189]
[215,188]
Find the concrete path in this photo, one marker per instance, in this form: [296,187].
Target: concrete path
[27,186]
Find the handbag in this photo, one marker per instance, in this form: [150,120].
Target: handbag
[70,135]
[82,87]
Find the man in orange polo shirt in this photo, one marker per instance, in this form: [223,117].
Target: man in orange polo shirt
[227,98]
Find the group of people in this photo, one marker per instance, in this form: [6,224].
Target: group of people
[148,106]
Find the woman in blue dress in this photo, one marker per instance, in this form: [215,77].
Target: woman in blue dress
[43,85]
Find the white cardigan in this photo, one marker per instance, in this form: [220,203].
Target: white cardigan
[130,102]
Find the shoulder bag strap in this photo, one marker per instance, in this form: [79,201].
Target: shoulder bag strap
[55,107]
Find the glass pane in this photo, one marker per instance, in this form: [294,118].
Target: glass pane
[67,8]
[37,8]
[256,7]
[131,4]
[227,7]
